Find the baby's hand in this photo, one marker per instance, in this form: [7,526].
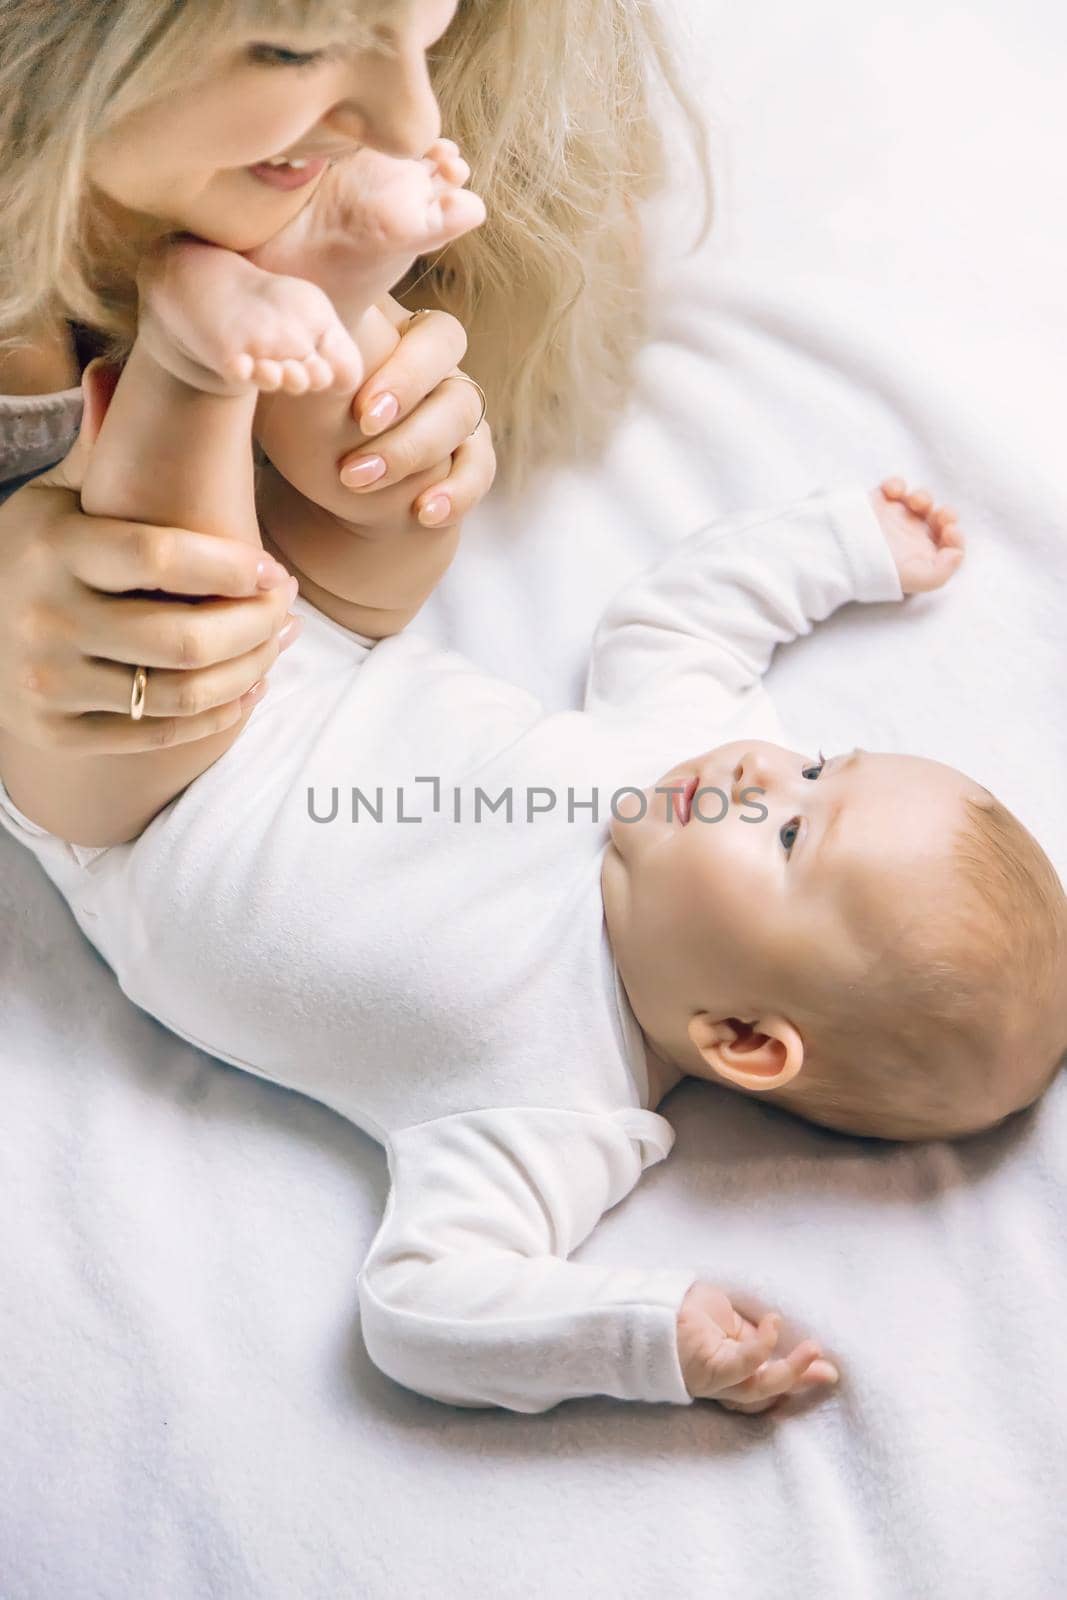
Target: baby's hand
[724,1357]
[926,543]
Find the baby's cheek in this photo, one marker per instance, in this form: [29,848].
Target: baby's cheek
[726,864]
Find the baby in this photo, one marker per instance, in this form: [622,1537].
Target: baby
[493,938]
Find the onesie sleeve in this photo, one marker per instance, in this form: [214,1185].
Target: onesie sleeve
[714,611]
[467,1294]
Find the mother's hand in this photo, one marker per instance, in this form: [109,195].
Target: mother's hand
[421,414]
[71,634]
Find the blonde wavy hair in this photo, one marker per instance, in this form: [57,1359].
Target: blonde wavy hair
[561,108]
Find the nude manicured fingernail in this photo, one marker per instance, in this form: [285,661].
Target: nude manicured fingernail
[269,574]
[252,696]
[294,589]
[436,510]
[358,474]
[288,635]
[379,415]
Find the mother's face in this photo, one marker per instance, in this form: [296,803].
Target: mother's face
[197,160]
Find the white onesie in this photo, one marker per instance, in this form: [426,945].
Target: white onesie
[438,971]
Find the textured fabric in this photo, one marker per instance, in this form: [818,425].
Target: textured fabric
[35,432]
[420,960]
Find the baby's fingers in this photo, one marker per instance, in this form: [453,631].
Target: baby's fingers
[803,1368]
[948,535]
[820,1372]
[939,565]
[733,1361]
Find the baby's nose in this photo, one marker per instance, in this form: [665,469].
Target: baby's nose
[751,772]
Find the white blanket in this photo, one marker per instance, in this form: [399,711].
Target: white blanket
[185,1405]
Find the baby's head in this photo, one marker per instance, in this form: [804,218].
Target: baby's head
[874,942]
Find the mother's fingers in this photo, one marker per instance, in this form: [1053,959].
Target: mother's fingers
[444,421]
[471,478]
[436,343]
[155,633]
[389,513]
[116,557]
[97,685]
[107,733]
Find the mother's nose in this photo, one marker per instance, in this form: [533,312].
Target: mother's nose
[396,112]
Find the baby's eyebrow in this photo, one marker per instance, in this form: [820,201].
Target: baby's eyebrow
[841,764]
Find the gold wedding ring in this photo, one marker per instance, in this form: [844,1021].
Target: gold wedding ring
[427,311]
[138,692]
[462,376]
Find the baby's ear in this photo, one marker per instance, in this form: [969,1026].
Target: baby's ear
[760,1055]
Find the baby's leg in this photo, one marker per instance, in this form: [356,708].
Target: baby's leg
[175,447]
[372,216]
[172,456]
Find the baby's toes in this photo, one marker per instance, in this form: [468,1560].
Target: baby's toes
[443,152]
[340,354]
[920,501]
[267,375]
[294,377]
[894,488]
[460,212]
[319,373]
[239,368]
[453,169]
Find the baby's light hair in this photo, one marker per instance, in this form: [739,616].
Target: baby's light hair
[558,107]
[963,1021]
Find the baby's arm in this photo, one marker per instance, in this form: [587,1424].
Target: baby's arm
[467,1295]
[717,608]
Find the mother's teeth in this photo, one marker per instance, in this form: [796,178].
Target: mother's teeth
[283,161]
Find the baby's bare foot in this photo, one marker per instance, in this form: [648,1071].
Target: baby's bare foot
[925,539]
[369,219]
[223,325]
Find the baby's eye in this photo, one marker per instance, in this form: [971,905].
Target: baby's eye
[275,55]
[816,771]
[788,834]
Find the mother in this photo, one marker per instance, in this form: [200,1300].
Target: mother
[551,104]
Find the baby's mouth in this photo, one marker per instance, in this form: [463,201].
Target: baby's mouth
[685,799]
